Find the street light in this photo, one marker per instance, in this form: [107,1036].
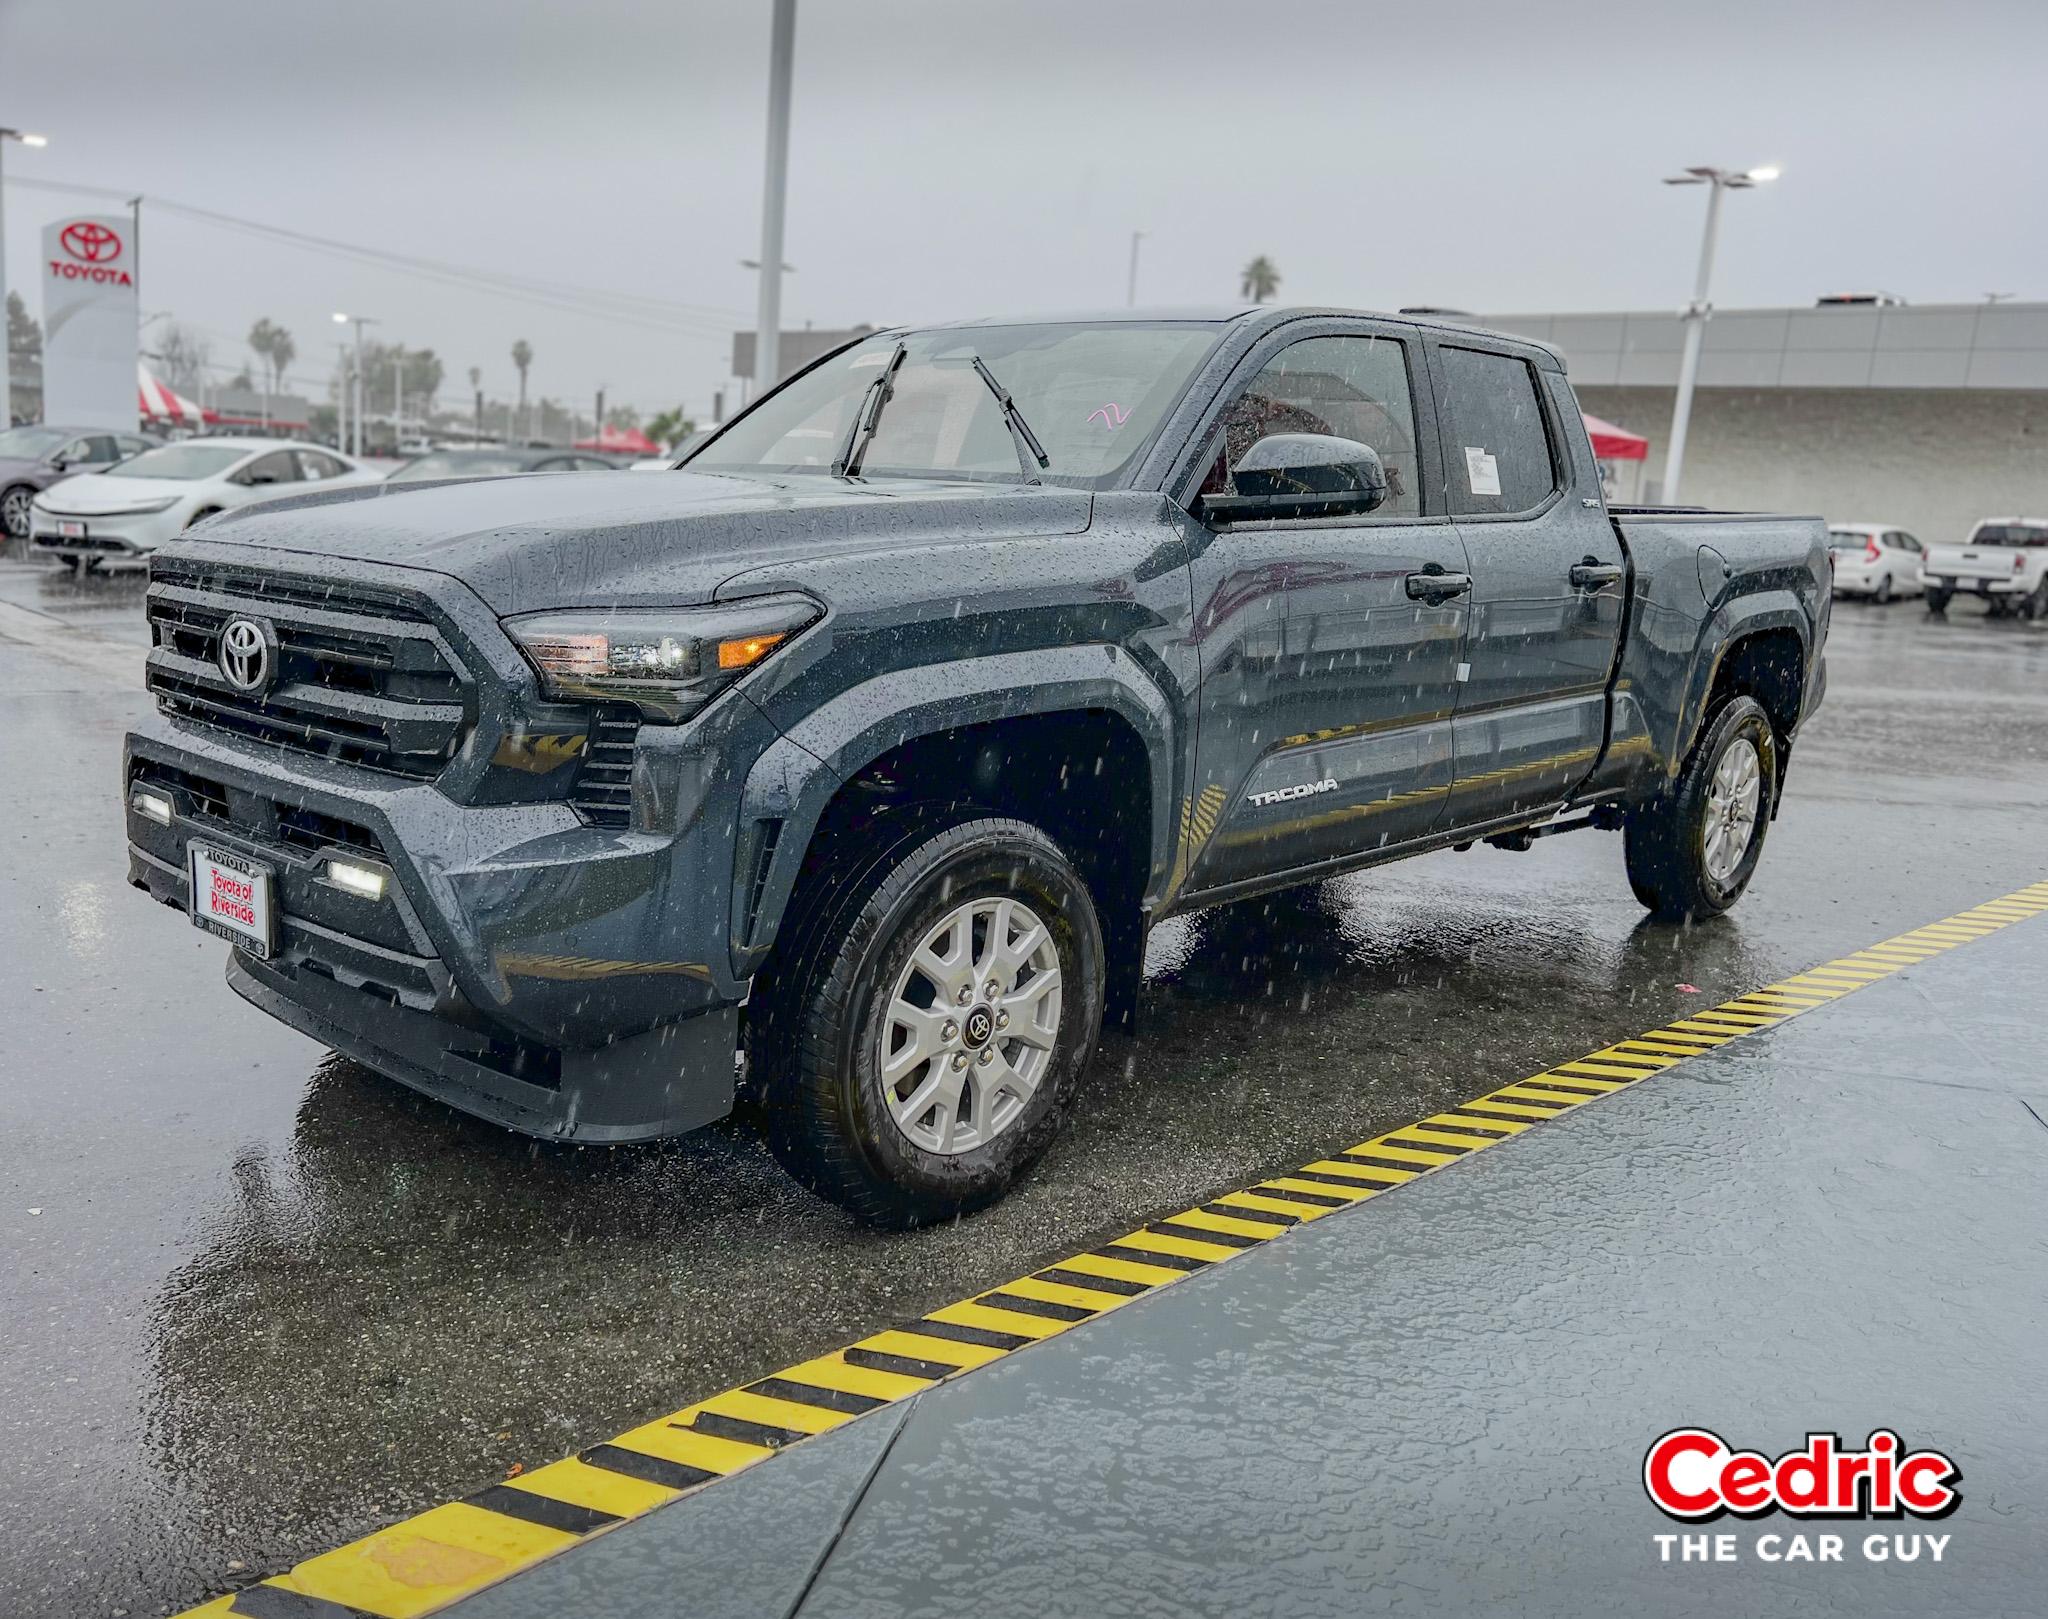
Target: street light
[6,381]
[774,192]
[1131,291]
[1716,181]
[359,322]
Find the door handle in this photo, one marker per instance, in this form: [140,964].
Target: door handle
[1593,574]
[1432,584]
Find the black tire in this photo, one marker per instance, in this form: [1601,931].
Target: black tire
[2036,606]
[201,516]
[817,1019]
[1883,594]
[1937,600]
[1665,842]
[14,503]
[1997,606]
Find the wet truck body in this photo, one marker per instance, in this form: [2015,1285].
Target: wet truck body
[1353,595]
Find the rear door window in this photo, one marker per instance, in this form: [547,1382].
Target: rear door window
[1498,457]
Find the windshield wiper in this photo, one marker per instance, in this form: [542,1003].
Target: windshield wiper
[862,432]
[1028,447]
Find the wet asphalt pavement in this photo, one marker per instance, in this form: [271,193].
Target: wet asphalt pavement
[256,1301]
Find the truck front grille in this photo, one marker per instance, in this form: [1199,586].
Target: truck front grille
[364,676]
[603,793]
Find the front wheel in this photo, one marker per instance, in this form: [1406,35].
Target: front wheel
[1691,854]
[920,1048]
[14,511]
[2036,606]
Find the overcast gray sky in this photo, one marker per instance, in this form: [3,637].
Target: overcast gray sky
[952,158]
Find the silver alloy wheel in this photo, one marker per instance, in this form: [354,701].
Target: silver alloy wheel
[970,1027]
[14,513]
[1733,798]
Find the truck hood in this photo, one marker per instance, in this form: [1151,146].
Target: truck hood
[645,539]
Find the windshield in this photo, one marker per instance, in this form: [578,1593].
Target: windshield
[182,462]
[1095,395]
[461,464]
[2020,536]
[31,443]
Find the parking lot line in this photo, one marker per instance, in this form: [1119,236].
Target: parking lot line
[449,1552]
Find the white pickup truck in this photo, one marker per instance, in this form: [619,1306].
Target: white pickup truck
[2005,561]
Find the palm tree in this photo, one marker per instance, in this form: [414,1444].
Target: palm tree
[282,352]
[522,356]
[1261,279]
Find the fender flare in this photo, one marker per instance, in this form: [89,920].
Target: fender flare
[789,787]
[1734,622]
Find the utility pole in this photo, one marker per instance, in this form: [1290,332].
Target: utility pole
[1131,294]
[1697,312]
[397,393]
[774,195]
[598,430]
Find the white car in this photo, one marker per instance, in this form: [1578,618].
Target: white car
[2005,561]
[150,499]
[1878,560]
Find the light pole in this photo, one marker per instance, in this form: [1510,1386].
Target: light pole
[359,322]
[1716,181]
[6,355]
[774,192]
[1131,292]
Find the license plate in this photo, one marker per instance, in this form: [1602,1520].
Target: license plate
[69,530]
[231,897]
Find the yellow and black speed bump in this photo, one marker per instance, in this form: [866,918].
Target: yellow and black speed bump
[452,1551]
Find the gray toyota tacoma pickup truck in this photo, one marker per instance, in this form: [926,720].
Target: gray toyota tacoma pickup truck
[847,764]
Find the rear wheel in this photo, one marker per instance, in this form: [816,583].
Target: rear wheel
[1884,590]
[2037,604]
[1691,854]
[1937,600]
[919,1049]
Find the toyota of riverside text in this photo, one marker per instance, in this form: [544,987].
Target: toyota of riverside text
[847,765]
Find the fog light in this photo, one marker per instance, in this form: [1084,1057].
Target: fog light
[151,806]
[367,881]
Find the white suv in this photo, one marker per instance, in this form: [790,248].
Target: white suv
[2005,561]
[1876,560]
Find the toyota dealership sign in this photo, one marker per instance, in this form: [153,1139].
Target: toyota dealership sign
[89,315]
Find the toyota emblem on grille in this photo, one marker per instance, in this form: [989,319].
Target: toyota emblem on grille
[247,654]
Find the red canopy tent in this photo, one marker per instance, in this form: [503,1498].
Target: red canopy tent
[620,441]
[157,403]
[1611,443]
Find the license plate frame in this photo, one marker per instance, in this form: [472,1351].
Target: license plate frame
[70,528]
[233,897]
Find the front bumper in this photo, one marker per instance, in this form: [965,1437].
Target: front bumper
[106,538]
[523,966]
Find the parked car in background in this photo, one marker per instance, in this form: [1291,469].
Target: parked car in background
[33,458]
[1874,560]
[132,508]
[497,461]
[2005,561]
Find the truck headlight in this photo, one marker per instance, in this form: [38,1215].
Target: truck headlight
[668,661]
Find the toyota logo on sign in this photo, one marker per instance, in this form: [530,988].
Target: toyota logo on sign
[91,242]
[247,654]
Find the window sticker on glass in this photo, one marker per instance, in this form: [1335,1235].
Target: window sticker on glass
[1482,472]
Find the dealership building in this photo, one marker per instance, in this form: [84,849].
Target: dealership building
[1928,416]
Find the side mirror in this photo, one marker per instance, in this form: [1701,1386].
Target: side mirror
[1292,475]
[254,478]
[60,463]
